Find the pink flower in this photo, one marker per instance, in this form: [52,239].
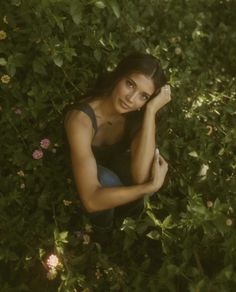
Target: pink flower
[45,143]
[37,154]
[52,261]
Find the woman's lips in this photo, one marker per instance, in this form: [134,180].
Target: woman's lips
[124,105]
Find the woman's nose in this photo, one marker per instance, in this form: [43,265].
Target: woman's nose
[131,97]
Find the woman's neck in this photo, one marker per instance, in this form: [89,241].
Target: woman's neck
[105,111]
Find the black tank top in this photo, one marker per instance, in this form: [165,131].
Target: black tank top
[103,154]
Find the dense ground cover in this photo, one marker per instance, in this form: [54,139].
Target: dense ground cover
[50,53]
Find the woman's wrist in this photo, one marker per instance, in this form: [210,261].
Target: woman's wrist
[150,110]
[151,187]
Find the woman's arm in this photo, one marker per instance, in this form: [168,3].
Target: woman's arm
[95,197]
[142,149]
[143,145]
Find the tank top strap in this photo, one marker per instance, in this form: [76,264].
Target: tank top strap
[87,109]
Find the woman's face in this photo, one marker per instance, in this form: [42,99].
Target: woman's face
[132,92]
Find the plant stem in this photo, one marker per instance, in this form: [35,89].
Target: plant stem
[198,262]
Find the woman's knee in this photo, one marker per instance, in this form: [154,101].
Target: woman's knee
[107,177]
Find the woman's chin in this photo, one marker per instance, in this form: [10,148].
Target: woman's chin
[124,108]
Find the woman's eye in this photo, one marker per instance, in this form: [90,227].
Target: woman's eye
[129,83]
[145,97]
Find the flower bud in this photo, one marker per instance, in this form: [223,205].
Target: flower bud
[209,204]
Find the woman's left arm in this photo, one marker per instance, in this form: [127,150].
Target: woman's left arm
[143,145]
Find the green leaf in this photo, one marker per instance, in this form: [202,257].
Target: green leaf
[154,219]
[58,60]
[100,4]
[130,238]
[154,234]
[41,253]
[167,221]
[63,235]
[128,224]
[17,59]
[3,62]
[59,22]
[16,2]
[11,68]
[38,67]
[115,7]
[76,11]
[97,54]
[193,154]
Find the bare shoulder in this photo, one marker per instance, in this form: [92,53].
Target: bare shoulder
[76,118]
[79,132]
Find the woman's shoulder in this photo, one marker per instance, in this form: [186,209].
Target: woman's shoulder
[79,113]
[75,118]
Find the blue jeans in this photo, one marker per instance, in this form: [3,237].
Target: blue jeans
[102,221]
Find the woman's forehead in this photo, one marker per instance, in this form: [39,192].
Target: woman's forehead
[144,82]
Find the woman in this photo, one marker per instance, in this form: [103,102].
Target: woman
[111,135]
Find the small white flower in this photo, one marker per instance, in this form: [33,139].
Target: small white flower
[229,222]
[209,204]
[178,51]
[86,239]
[52,261]
[21,173]
[22,186]
[88,228]
[203,170]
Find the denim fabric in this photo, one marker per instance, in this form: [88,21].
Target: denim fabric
[102,221]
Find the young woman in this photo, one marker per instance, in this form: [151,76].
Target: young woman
[111,136]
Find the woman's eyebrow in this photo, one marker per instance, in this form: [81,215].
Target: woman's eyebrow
[130,79]
[147,93]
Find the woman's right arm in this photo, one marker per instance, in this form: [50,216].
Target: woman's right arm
[95,197]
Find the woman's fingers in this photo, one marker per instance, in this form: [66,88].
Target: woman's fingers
[157,153]
[166,93]
[161,160]
[166,89]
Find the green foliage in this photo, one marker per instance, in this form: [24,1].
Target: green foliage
[50,53]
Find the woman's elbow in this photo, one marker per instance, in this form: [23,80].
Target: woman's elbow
[89,206]
[139,176]
[88,200]
[139,179]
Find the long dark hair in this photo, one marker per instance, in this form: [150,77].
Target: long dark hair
[106,82]
[136,62]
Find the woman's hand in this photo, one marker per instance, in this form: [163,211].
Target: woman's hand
[159,171]
[160,100]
